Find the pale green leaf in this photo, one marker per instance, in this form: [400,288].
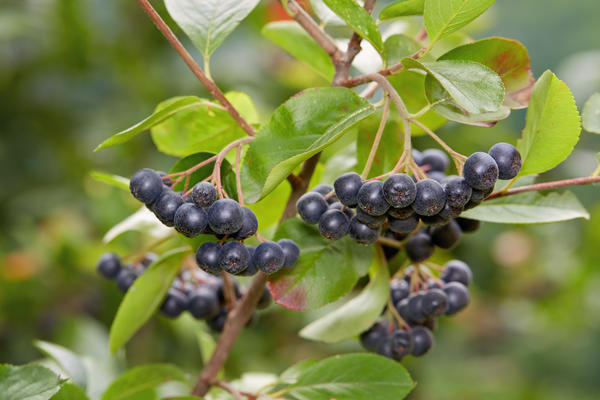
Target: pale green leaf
[397,47]
[70,362]
[402,8]
[113,180]
[143,220]
[591,114]
[68,391]
[27,382]
[140,379]
[359,19]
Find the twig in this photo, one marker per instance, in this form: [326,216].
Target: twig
[228,387]
[390,242]
[375,146]
[458,158]
[370,90]
[545,186]
[194,67]
[229,291]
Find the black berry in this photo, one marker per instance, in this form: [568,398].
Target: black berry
[430,198]
[399,190]
[311,206]
[449,212]
[125,279]
[457,271]
[458,191]
[225,216]
[445,236]
[373,221]
[458,297]
[339,206]
[372,338]
[269,257]
[401,213]
[175,303]
[371,199]
[399,290]
[422,340]
[416,312]
[401,343]
[109,265]
[204,194]
[347,187]
[190,220]
[419,247]
[291,251]
[436,159]
[434,220]
[203,303]
[334,224]
[434,302]
[406,225]
[249,224]
[166,206]
[324,190]
[468,225]
[146,185]
[207,257]
[480,171]
[507,158]
[437,176]
[233,257]
[362,233]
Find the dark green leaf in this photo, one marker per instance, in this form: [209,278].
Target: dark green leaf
[66,359]
[552,126]
[293,38]
[144,297]
[591,114]
[358,314]
[297,130]
[69,391]
[353,376]
[142,378]
[397,47]
[325,271]
[143,221]
[529,208]
[359,19]
[402,8]
[27,382]
[113,180]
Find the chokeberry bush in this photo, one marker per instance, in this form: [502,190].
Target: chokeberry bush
[378,221]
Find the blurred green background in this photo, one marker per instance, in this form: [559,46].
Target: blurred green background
[74,72]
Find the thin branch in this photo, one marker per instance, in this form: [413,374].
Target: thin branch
[545,186]
[194,67]
[387,86]
[375,146]
[229,388]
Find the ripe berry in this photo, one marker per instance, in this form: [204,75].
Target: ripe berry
[249,225]
[371,199]
[458,191]
[445,236]
[437,176]
[480,171]
[125,279]
[399,289]
[434,302]
[419,247]
[480,195]
[233,257]
[109,265]
[265,299]
[166,206]
[434,220]
[436,159]
[430,198]
[339,206]
[468,225]
[347,187]
[204,194]
[372,338]
[416,312]
[311,206]
[402,308]
[362,233]
[406,225]
[166,181]
[422,340]
[217,323]
[372,221]
[324,190]
[401,342]
[458,297]
[389,251]
[207,257]
[203,303]
[401,213]
[385,348]
[457,271]
[146,185]
[175,303]
[251,269]
[269,257]
[418,157]
[291,251]
[190,220]
[334,224]
[225,216]
[399,190]
[449,212]
[507,158]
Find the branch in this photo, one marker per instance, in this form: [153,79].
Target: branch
[587,180]
[194,67]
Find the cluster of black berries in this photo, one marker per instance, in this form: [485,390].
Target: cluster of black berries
[363,209]
[202,213]
[418,309]
[202,294]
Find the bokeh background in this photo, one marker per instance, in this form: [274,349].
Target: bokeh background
[74,72]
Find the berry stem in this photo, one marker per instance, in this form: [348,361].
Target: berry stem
[192,169]
[587,180]
[377,140]
[458,158]
[238,181]
[220,157]
[396,315]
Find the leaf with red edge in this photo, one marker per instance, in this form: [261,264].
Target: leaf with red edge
[325,271]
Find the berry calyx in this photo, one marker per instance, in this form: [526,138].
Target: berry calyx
[399,190]
[233,257]
[204,194]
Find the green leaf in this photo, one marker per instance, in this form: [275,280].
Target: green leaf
[358,314]
[170,108]
[529,208]
[508,58]
[245,105]
[591,114]
[298,129]
[69,391]
[27,382]
[353,376]
[113,180]
[209,22]
[142,378]
[66,359]
[227,172]
[472,86]
[552,126]
[292,374]
[358,19]
[141,221]
[292,38]
[325,271]
[326,16]
[144,297]
[402,8]
[397,47]
[442,17]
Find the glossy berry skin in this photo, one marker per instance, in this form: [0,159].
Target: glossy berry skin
[269,257]
[334,224]
[385,348]
[401,213]
[109,265]
[207,257]
[251,269]
[372,221]
[372,338]
[399,290]
[347,187]
[291,251]
[190,220]
[402,308]
[445,236]
[146,185]
[480,171]
[166,206]
[175,303]
[458,297]
[125,279]
[399,190]
[339,206]
[449,212]
[234,257]
[416,312]
[436,159]
[401,343]
[422,340]
[507,158]
[480,195]
[265,299]
[361,233]
[371,199]
[419,247]
[457,271]
[468,225]
[225,217]
[311,206]
[203,302]
[204,194]
[430,198]
[458,191]
[249,225]
[434,303]
[406,225]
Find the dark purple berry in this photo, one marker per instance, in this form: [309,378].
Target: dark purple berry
[207,257]
[225,217]
[334,224]
[109,265]
[125,279]
[204,194]
[434,220]
[166,206]
[233,257]
[324,190]
[190,220]
[311,206]
[430,199]
[251,269]
[249,225]
[458,297]
[457,271]
[401,213]
[146,185]
[436,159]
[399,289]
[445,236]
[269,257]
[401,342]
[371,199]
[418,157]
[373,221]
[204,303]
[339,206]
[507,158]
[217,323]
[480,171]
[419,247]
[291,251]
[416,312]
[406,225]
[174,304]
[458,192]
[362,233]
[437,176]
[372,338]
[347,187]
[434,302]
[422,340]
[399,190]
[449,213]
[468,225]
